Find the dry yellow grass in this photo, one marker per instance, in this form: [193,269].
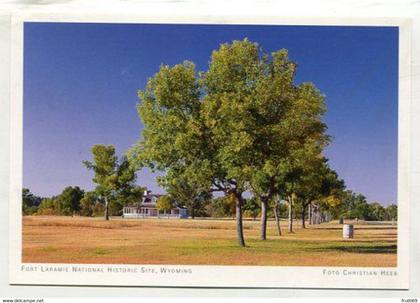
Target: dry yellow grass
[203,242]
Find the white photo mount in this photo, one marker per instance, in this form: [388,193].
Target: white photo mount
[207,276]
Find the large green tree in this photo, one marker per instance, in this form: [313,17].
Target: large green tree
[290,131]
[230,126]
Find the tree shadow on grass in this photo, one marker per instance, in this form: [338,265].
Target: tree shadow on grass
[357,228]
[366,241]
[362,249]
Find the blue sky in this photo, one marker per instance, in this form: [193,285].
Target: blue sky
[81,83]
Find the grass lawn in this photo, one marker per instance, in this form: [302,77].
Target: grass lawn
[50,239]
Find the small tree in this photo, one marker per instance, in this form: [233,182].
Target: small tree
[87,204]
[70,200]
[165,203]
[115,179]
[105,167]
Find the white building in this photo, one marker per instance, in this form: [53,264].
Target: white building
[148,209]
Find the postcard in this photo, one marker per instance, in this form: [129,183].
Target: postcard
[209,152]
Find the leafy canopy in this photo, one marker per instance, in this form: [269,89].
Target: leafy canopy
[238,123]
[115,179]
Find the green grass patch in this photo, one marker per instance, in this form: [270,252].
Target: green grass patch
[99,251]
[49,249]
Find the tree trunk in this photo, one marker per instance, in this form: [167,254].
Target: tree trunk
[192,213]
[313,210]
[264,206]
[276,215]
[106,209]
[290,214]
[303,217]
[239,226]
[317,216]
[310,213]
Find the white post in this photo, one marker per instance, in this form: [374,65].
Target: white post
[348,231]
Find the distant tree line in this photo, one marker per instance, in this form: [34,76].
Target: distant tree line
[75,201]
[71,201]
[355,206]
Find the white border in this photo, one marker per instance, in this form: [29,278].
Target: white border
[209,276]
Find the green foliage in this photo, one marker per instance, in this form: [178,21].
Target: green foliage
[70,200]
[115,180]
[30,202]
[87,204]
[359,208]
[283,210]
[391,212]
[221,207]
[98,209]
[127,192]
[105,168]
[251,207]
[319,185]
[242,122]
[187,195]
[355,206]
[127,197]
[376,212]
[50,206]
[67,203]
[165,203]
